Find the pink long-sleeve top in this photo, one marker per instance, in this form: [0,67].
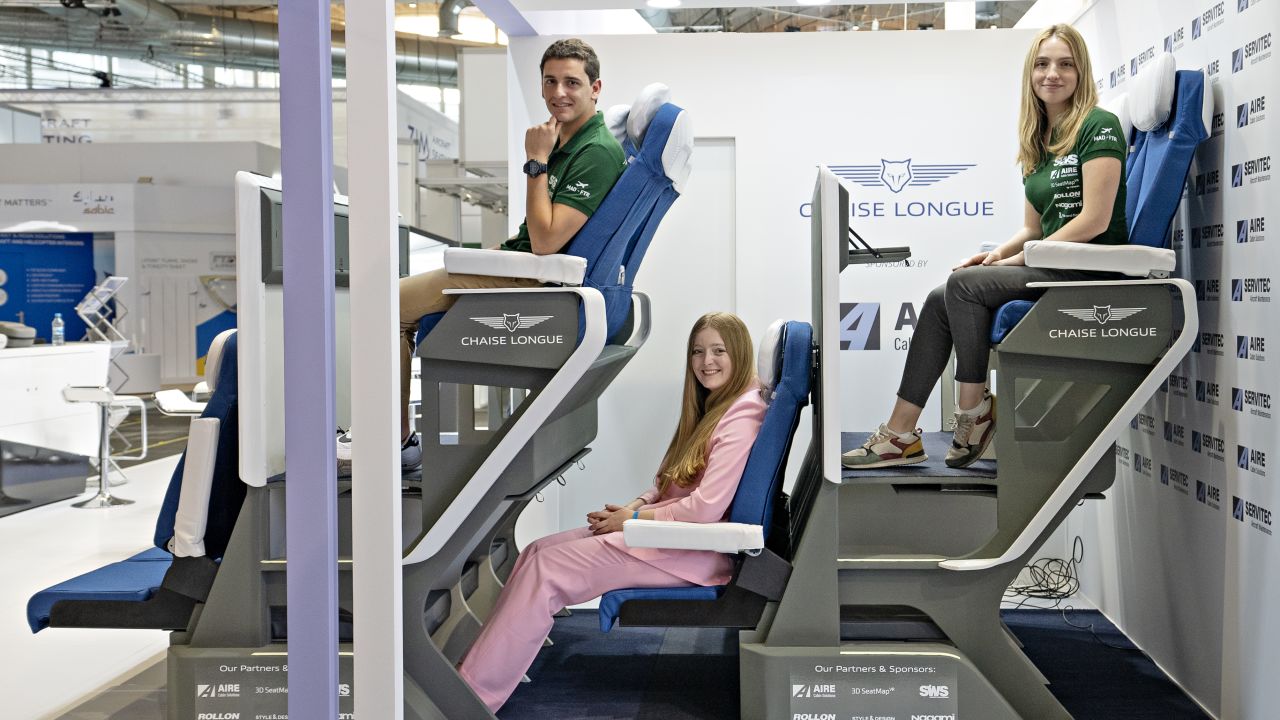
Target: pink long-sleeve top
[707,499]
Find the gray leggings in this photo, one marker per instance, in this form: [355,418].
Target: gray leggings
[958,313]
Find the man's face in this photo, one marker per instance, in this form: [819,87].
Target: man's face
[569,95]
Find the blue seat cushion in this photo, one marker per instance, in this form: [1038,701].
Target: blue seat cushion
[611,602]
[426,325]
[135,579]
[1008,316]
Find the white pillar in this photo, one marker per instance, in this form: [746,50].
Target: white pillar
[375,393]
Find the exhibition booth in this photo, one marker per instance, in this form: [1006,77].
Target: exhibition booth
[816,184]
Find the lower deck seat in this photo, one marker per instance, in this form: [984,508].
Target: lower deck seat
[785,368]
[135,579]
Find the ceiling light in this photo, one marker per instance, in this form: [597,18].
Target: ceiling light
[663,4]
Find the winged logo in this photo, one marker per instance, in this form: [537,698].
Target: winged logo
[898,174]
[511,321]
[1102,314]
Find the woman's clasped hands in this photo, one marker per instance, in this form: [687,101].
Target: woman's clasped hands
[610,519]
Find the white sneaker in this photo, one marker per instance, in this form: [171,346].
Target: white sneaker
[344,453]
[410,454]
[886,448]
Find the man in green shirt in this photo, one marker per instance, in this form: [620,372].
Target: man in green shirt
[573,162]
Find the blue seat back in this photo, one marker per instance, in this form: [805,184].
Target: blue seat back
[762,477]
[1161,158]
[227,493]
[617,235]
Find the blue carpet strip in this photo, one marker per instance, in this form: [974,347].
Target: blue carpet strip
[681,674]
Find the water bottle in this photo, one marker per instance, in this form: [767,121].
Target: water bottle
[59,330]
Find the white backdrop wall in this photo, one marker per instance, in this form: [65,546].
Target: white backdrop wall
[1184,558]
[934,110]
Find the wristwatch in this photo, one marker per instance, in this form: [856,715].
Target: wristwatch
[533,168]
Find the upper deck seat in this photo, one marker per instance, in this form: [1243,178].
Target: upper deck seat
[1170,110]
[786,365]
[607,252]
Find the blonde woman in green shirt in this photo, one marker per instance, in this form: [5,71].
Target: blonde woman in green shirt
[1072,157]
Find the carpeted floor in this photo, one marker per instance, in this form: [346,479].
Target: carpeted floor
[657,674]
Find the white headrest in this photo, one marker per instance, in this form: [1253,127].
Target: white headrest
[677,156]
[213,359]
[615,118]
[767,359]
[1118,105]
[1151,99]
[651,98]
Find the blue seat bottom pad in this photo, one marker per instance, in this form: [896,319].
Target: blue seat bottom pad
[1007,317]
[135,579]
[611,602]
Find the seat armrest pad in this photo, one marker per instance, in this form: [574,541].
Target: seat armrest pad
[562,269]
[722,537]
[176,402]
[1133,260]
[89,394]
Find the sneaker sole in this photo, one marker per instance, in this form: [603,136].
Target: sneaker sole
[885,463]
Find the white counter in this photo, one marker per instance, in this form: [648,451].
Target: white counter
[32,410]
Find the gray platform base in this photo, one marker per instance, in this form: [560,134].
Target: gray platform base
[865,680]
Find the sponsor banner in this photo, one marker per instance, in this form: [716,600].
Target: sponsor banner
[1251,230]
[254,688]
[80,208]
[1251,54]
[1251,347]
[1251,172]
[1208,494]
[1209,445]
[875,688]
[1212,18]
[1253,460]
[1252,112]
[1175,479]
[1252,514]
[1252,402]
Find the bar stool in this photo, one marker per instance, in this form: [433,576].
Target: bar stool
[107,401]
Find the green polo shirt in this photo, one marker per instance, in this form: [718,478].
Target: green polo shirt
[579,173]
[1056,187]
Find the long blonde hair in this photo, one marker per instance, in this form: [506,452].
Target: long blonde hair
[1033,119]
[702,409]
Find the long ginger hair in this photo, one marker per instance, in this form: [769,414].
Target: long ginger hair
[702,409]
[1033,118]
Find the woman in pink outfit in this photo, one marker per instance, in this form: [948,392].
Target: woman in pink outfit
[720,416]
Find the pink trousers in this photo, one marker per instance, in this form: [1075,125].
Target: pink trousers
[558,570]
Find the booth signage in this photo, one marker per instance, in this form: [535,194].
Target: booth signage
[254,688]
[45,273]
[876,688]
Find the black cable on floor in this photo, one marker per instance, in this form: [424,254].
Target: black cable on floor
[1055,580]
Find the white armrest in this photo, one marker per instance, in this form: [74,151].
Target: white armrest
[722,537]
[176,402]
[200,388]
[562,269]
[87,394]
[197,482]
[1134,260]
